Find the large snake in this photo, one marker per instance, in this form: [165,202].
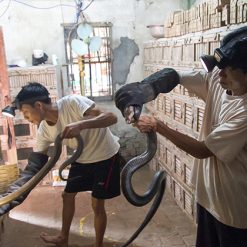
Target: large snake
[156,187]
[17,190]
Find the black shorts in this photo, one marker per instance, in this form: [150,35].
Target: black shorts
[212,233]
[102,178]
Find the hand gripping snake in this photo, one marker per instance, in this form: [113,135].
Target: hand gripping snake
[18,191]
[156,187]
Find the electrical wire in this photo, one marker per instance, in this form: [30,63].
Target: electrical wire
[80,8]
[88,5]
[51,7]
[62,11]
[5,9]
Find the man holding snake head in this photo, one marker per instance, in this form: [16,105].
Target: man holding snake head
[219,174]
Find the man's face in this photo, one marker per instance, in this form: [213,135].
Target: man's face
[33,114]
[234,80]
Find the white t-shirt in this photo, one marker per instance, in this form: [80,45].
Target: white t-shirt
[220,181]
[99,143]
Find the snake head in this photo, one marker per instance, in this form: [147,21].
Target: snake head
[132,95]
[132,113]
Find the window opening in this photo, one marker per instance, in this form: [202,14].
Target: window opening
[91,74]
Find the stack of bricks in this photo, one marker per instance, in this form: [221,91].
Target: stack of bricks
[185,114]
[181,52]
[238,11]
[201,30]
[205,16]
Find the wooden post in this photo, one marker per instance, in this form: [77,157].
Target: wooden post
[8,136]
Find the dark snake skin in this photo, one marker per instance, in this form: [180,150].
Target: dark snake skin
[15,195]
[156,187]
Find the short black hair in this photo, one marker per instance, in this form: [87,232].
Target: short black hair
[31,93]
[234,47]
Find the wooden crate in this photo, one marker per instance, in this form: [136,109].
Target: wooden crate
[158,50]
[178,110]
[175,161]
[165,153]
[225,15]
[201,48]
[160,103]
[181,111]
[199,118]
[188,115]
[166,51]
[178,170]
[205,16]
[233,11]
[167,106]
[188,54]
[189,204]
[147,53]
[177,48]
[45,74]
[153,164]
[184,199]
[244,13]
[240,10]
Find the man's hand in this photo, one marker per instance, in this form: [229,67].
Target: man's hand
[72,130]
[146,123]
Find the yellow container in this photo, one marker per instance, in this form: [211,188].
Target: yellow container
[8,174]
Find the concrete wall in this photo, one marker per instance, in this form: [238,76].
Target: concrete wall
[26,28]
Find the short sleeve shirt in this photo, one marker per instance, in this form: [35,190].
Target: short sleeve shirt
[99,143]
[220,181]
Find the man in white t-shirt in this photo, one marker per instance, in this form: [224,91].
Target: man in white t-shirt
[219,174]
[96,170]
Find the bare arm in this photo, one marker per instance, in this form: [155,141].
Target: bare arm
[94,118]
[196,148]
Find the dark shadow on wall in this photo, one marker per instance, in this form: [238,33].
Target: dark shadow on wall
[123,57]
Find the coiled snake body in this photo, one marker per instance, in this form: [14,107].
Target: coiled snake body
[15,194]
[17,190]
[156,187]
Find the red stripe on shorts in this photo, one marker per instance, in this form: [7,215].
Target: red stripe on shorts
[109,173]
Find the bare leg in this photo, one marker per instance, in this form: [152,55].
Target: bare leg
[100,220]
[62,239]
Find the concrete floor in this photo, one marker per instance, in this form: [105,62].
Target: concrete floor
[41,211]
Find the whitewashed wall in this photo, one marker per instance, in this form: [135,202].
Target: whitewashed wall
[27,28]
